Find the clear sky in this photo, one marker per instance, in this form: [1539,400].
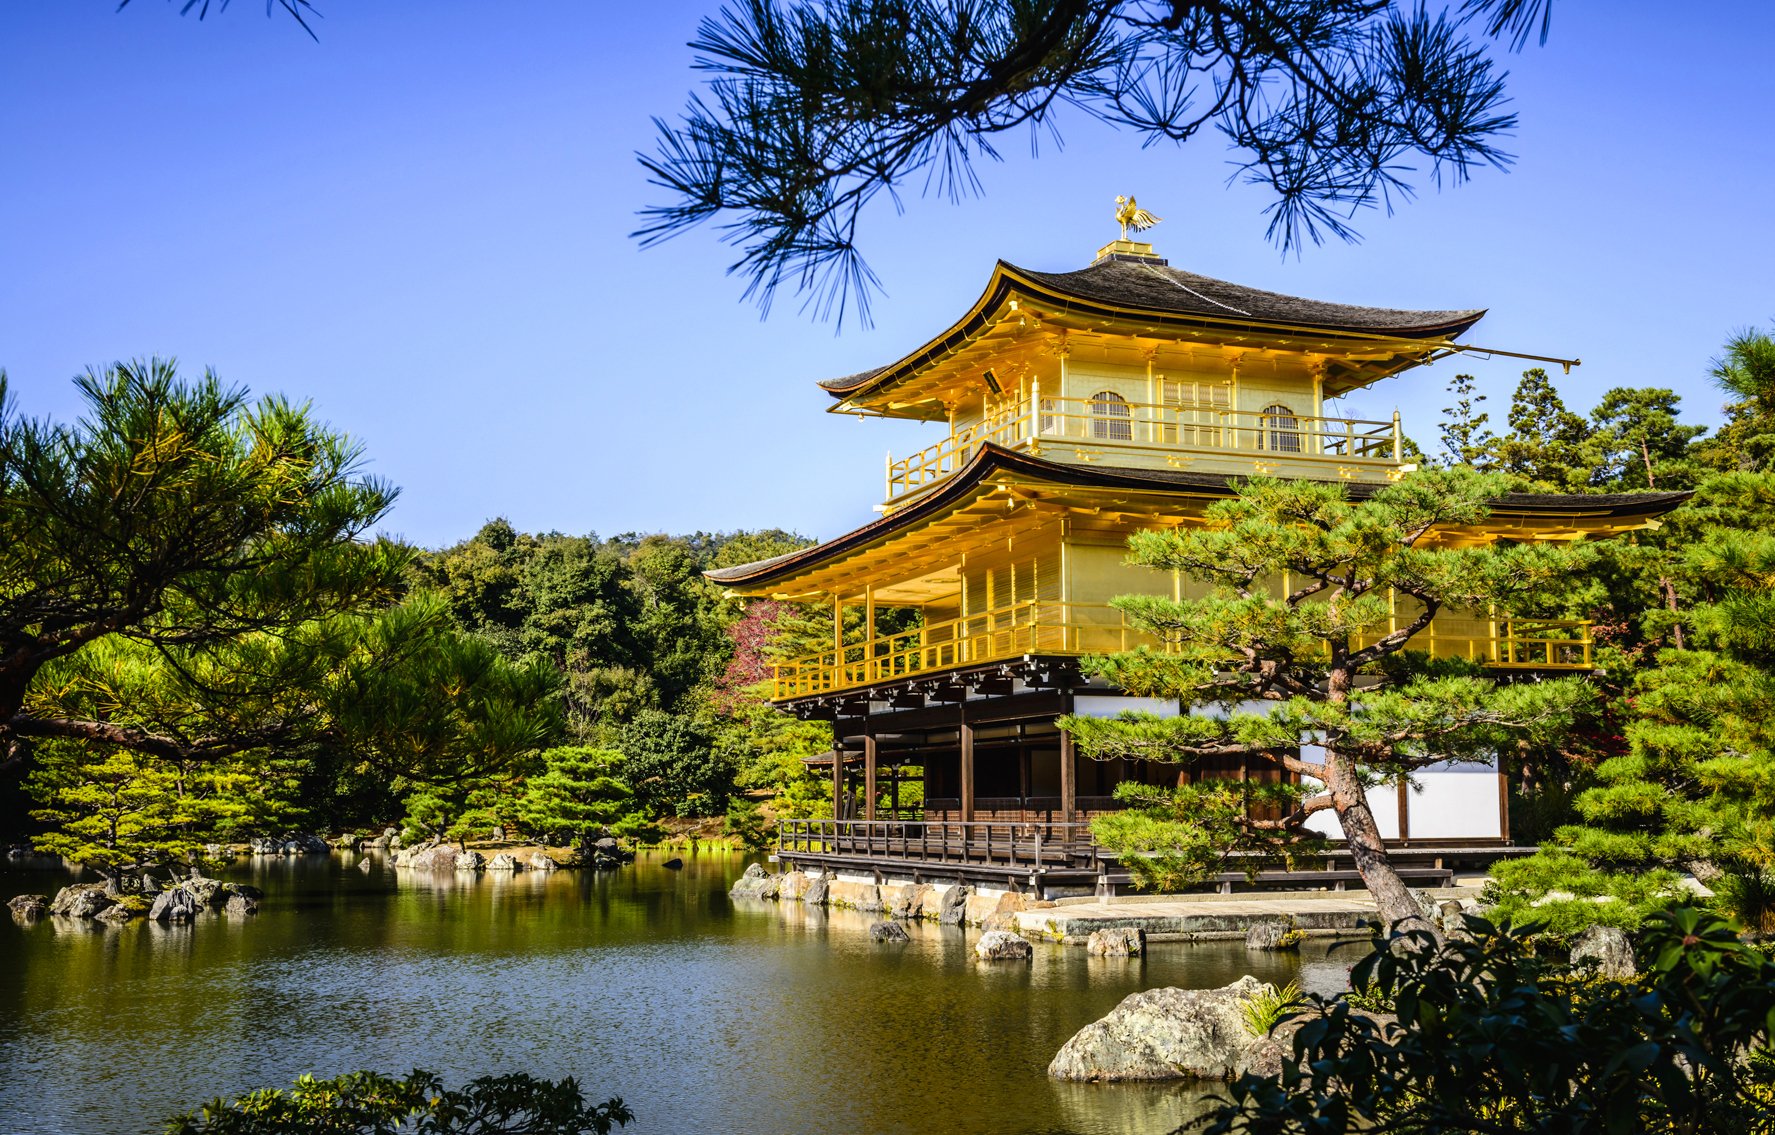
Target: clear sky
[420,223]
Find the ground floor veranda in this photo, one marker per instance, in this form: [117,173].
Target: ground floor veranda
[974,780]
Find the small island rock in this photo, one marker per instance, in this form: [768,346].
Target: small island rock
[504,861]
[1119,942]
[888,932]
[1001,946]
[28,908]
[470,861]
[954,910]
[81,900]
[1164,1034]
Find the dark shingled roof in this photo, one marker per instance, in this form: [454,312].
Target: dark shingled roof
[1149,284]
[992,458]
[1153,285]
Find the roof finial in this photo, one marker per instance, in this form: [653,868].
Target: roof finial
[1132,216]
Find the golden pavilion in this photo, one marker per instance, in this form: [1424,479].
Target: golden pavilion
[1080,407]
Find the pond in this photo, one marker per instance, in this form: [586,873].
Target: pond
[647,983]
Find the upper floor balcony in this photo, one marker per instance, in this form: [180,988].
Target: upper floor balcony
[1108,429]
[1042,627]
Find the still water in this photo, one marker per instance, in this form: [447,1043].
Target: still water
[705,1015]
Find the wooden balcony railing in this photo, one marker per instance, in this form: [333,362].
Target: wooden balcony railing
[1162,429]
[1048,627]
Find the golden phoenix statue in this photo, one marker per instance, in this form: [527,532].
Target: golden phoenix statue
[1132,216]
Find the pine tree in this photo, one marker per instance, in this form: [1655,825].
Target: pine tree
[578,797]
[1316,601]
[1466,440]
[1548,448]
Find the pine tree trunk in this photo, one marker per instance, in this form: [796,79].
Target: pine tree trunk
[1392,898]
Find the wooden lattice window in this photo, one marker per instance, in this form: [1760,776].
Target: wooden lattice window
[1279,429]
[1110,417]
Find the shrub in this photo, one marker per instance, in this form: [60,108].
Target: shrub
[1269,1007]
[368,1103]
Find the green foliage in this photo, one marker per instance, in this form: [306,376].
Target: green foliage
[745,822]
[368,1103]
[118,811]
[1269,1007]
[181,517]
[766,747]
[1331,105]
[1329,660]
[578,796]
[1493,1036]
[1171,839]
[671,765]
[1466,439]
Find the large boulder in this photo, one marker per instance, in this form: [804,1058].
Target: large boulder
[1119,942]
[82,900]
[818,890]
[756,883]
[1165,1034]
[954,910]
[792,886]
[239,906]
[436,857]
[176,904]
[1002,946]
[1607,949]
[908,900]
[208,893]
[116,914]
[504,861]
[28,908]
[865,897]
[541,861]
[470,861]
[1273,934]
[888,932]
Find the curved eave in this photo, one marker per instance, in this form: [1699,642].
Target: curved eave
[994,459]
[1007,280]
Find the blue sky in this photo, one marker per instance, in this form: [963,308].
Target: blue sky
[420,223]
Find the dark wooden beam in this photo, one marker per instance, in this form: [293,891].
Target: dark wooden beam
[967,765]
[868,776]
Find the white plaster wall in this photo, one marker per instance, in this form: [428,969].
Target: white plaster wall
[1456,801]
[1108,705]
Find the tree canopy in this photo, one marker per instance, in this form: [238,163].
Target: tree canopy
[814,108]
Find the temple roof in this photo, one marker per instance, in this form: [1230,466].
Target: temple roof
[1148,288]
[993,459]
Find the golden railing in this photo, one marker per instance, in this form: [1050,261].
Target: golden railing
[1051,627]
[1034,421]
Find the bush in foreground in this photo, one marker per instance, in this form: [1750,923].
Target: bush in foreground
[368,1103]
[1492,1036]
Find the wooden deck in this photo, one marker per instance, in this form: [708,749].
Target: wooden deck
[1043,854]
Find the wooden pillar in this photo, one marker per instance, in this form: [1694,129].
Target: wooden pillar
[1069,777]
[967,763]
[1404,808]
[837,783]
[868,776]
[894,790]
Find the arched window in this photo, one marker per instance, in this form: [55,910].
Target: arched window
[1110,420]
[1278,429]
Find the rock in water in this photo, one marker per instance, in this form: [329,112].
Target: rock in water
[756,883]
[504,861]
[175,904]
[888,932]
[439,858]
[1002,946]
[81,900]
[817,890]
[470,861]
[955,905]
[364,865]
[1121,942]
[1004,921]
[1606,948]
[673,864]
[1164,1034]
[239,906]
[1273,934]
[28,908]
[541,861]
[792,886]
